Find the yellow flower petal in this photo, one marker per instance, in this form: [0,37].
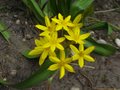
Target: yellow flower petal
[81,62]
[62,54]
[77,18]
[70,24]
[74,49]
[65,28]
[43,57]
[81,47]
[41,27]
[53,67]
[55,20]
[59,46]
[38,42]
[89,50]
[68,37]
[77,31]
[80,42]
[47,21]
[88,58]
[61,39]
[67,18]
[45,33]
[75,57]
[62,72]
[35,52]
[68,60]
[46,45]
[54,59]
[80,25]
[52,48]
[69,68]
[58,27]
[84,36]
[60,16]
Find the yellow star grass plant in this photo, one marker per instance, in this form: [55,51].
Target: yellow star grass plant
[62,64]
[81,54]
[74,35]
[51,39]
[63,23]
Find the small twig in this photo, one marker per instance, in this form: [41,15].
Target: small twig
[105,11]
[86,77]
[84,66]
[50,80]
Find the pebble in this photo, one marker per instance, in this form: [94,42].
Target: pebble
[17,21]
[15,16]
[26,23]
[117,41]
[13,72]
[28,36]
[4,79]
[23,39]
[102,41]
[75,88]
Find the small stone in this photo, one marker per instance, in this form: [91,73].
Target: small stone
[4,79]
[102,41]
[23,39]
[75,88]
[17,21]
[26,23]
[15,16]
[117,41]
[28,36]
[13,72]
[92,32]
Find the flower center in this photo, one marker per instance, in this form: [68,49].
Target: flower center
[63,23]
[81,54]
[62,63]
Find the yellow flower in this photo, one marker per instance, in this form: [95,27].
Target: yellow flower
[40,50]
[48,29]
[63,23]
[74,35]
[77,20]
[54,42]
[62,64]
[82,54]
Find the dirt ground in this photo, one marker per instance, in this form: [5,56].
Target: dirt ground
[14,67]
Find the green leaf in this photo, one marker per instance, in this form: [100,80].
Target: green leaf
[79,6]
[96,26]
[26,54]
[53,6]
[34,7]
[38,77]
[110,29]
[4,32]
[102,49]
[3,82]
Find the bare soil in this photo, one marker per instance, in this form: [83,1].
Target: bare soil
[14,67]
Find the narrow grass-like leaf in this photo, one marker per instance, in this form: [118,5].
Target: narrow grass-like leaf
[53,6]
[102,49]
[34,7]
[26,54]
[79,6]
[4,32]
[97,26]
[110,29]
